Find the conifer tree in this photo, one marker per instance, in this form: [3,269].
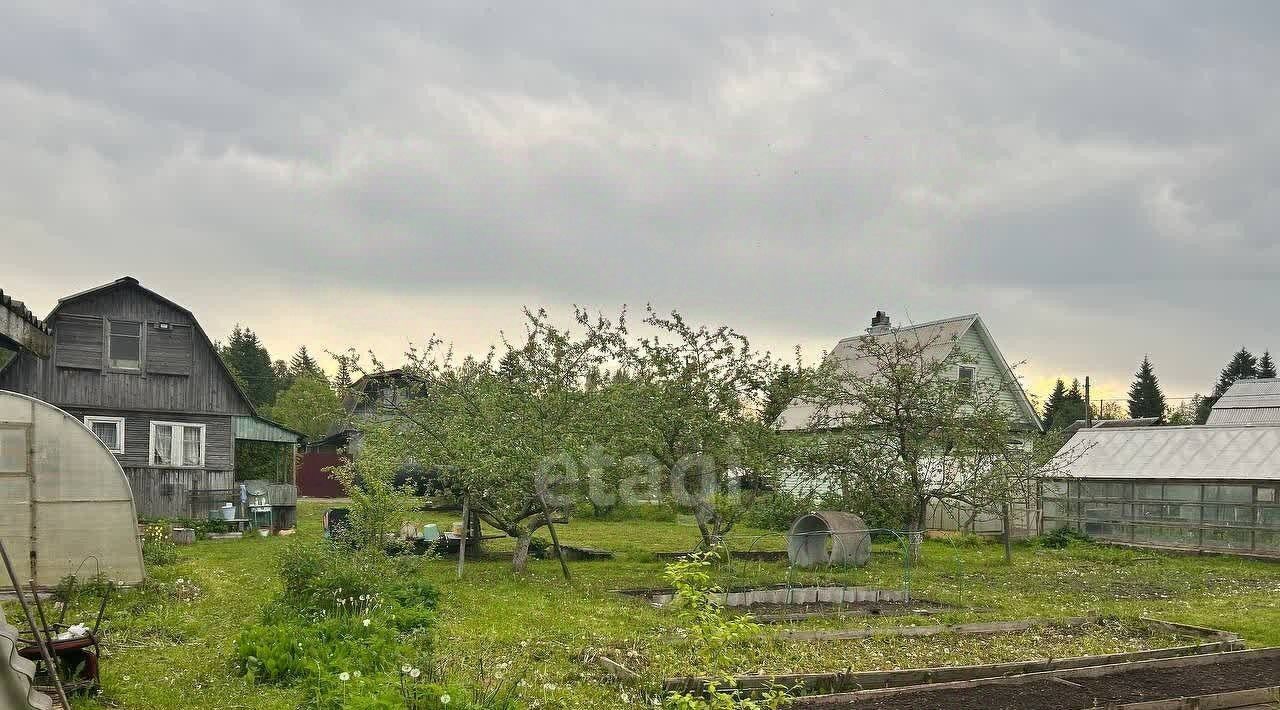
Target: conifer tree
[1053,404]
[1266,367]
[248,359]
[1242,364]
[302,364]
[1145,397]
[342,380]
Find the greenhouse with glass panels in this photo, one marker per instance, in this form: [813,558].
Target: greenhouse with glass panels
[1210,488]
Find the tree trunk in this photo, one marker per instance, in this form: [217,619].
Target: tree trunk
[520,560]
[1008,533]
[915,536]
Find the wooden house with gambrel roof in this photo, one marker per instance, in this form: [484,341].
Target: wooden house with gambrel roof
[141,373]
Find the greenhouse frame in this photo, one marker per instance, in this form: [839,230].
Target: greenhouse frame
[1202,488]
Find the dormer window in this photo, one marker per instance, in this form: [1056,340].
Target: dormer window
[124,345]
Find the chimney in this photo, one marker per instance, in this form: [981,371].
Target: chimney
[879,324]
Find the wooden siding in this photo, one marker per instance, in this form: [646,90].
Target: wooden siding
[169,350]
[990,370]
[219,442]
[78,342]
[166,492]
[207,389]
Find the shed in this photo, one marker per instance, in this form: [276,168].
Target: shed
[65,505]
[828,537]
[1214,488]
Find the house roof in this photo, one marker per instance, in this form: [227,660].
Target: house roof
[1175,452]
[133,282]
[1248,401]
[939,335]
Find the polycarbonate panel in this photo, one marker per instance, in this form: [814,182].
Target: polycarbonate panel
[15,524]
[90,540]
[13,450]
[16,410]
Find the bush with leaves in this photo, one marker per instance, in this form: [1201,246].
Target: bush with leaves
[158,547]
[378,504]
[717,642]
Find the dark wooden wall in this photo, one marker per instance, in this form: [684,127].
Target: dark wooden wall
[219,437]
[172,379]
[166,493]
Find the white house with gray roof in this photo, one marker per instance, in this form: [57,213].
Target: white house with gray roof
[980,360]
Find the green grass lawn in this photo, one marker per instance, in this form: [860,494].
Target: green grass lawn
[169,646]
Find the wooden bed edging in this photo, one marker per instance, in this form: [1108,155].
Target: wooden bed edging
[841,681]
[1242,699]
[1191,661]
[982,627]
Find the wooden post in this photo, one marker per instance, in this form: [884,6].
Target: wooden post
[466,531]
[555,540]
[293,465]
[1088,407]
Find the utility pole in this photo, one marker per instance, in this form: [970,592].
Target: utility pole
[1088,408]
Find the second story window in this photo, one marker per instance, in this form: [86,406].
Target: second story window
[124,345]
[966,379]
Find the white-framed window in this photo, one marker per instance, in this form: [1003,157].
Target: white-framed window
[124,344]
[966,378]
[110,430]
[177,444]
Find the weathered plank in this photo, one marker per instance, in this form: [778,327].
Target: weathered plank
[843,682]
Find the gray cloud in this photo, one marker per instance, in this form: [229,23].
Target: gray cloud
[1099,179]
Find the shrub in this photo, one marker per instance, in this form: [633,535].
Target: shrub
[342,612]
[775,511]
[158,547]
[1059,539]
[716,641]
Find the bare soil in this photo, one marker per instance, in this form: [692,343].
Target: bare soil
[1126,687]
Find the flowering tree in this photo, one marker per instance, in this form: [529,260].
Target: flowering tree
[498,428]
[690,399]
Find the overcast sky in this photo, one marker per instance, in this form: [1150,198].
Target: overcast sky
[1098,180]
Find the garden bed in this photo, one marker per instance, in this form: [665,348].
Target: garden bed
[1148,684]
[1155,639]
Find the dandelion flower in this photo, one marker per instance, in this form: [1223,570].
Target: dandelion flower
[406,668]
[415,673]
[344,676]
[355,674]
[444,699]
[366,623]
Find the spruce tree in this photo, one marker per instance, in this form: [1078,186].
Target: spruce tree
[1266,368]
[1145,397]
[1053,404]
[1071,409]
[342,380]
[247,358]
[282,376]
[302,364]
[1242,365]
